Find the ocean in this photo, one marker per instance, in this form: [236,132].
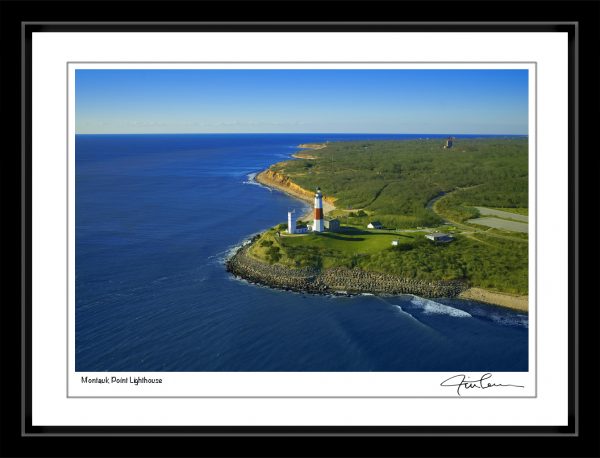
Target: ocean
[156,217]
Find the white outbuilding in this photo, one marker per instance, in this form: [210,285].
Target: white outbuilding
[291,222]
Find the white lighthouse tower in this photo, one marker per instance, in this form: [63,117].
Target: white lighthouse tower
[291,222]
[318,224]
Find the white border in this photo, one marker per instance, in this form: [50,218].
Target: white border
[51,52]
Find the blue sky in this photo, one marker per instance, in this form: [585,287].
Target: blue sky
[319,101]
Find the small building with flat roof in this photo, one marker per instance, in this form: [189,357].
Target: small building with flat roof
[332,225]
[439,237]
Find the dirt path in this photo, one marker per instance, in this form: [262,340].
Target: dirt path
[377,194]
[472,236]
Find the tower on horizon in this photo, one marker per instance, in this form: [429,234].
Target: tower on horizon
[318,224]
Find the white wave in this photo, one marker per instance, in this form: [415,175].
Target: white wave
[411,317]
[404,312]
[251,179]
[430,307]
[255,183]
[233,249]
[222,256]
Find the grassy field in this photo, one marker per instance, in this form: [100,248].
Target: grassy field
[341,248]
[393,182]
[326,249]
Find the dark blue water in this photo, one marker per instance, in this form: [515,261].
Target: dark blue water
[156,215]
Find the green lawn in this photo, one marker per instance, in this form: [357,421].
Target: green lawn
[326,249]
[351,241]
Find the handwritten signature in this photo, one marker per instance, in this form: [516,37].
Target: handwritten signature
[461,381]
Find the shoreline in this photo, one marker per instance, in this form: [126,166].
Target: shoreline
[341,281]
[284,184]
[313,145]
[304,154]
[335,281]
[511,301]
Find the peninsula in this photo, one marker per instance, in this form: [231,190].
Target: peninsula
[389,202]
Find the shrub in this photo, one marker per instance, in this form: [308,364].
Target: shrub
[273,254]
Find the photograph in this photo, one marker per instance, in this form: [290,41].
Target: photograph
[307,218]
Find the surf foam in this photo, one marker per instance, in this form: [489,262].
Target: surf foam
[251,179]
[430,307]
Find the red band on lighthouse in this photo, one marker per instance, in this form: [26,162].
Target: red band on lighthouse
[318,213]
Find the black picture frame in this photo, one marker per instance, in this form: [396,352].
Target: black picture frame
[21,438]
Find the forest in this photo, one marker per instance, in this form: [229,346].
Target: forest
[392,181]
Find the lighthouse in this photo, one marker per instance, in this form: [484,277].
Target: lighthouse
[318,224]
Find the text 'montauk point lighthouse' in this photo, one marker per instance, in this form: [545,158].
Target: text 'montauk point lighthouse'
[318,224]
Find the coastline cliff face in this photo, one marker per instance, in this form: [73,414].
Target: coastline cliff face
[338,280]
[282,182]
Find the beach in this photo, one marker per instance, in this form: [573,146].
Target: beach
[511,301]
